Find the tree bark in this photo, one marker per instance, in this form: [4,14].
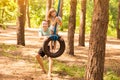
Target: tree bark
[96,56]
[21,22]
[27,14]
[72,25]
[14,0]
[61,8]
[61,13]
[118,22]
[48,6]
[2,16]
[82,23]
[53,2]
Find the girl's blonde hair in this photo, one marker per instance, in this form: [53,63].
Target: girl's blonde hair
[49,13]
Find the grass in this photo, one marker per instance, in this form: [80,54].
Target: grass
[74,71]
[65,70]
[111,75]
[6,49]
[62,69]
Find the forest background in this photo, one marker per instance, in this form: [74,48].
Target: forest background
[37,11]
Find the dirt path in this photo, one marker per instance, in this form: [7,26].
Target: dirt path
[26,69]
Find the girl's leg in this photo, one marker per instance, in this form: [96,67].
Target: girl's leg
[40,61]
[54,45]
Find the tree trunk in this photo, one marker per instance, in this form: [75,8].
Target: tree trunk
[27,14]
[61,8]
[118,22]
[82,23]
[2,17]
[21,22]
[61,13]
[72,25]
[14,0]
[48,6]
[53,2]
[96,56]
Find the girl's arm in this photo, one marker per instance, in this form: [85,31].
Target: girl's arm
[59,20]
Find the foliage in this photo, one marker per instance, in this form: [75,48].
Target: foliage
[66,12]
[89,13]
[7,11]
[37,12]
[113,12]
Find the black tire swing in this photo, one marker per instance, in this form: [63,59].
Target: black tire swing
[53,39]
[59,52]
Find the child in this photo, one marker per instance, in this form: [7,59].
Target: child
[43,33]
[53,19]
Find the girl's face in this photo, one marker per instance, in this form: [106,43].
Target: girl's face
[53,14]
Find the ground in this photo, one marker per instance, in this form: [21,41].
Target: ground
[25,68]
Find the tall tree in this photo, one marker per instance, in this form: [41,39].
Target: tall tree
[53,2]
[118,22]
[61,13]
[14,0]
[2,17]
[21,22]
[96,56]
[72,25]
[27,14]
[48,6]
[61,8]
[82,23]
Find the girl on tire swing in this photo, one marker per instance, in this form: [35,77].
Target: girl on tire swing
[46,31]
[53,19]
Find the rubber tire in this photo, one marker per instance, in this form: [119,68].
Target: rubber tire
[58,53]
